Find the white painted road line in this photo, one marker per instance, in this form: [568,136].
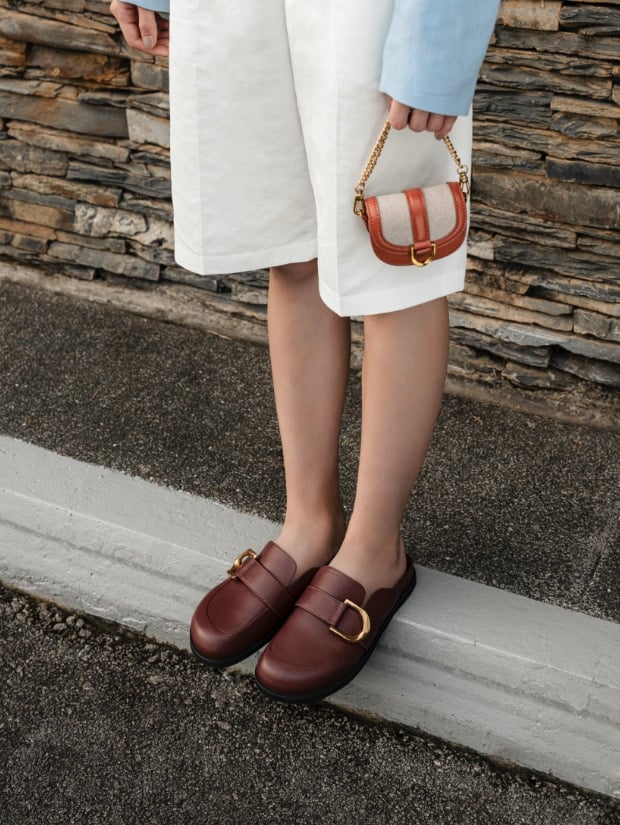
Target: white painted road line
[529,682]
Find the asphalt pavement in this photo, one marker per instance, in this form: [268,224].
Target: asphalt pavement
[515,501]
[100,726]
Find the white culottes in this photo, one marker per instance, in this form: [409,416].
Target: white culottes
[275,107]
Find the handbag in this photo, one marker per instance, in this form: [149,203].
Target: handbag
[418,225]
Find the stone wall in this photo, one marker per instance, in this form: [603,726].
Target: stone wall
[85,195]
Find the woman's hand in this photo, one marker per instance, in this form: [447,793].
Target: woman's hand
[418,120]
[143,29]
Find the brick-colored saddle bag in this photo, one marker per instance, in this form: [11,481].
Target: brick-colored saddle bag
[419,225]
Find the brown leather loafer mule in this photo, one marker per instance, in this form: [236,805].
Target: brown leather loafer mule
[329,636]
[242,613]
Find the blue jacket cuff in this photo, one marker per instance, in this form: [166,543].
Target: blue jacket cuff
[434,50]
[152,5]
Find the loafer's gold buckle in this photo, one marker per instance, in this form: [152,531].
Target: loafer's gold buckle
[247,554]
[365,624]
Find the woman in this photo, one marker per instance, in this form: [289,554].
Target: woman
[274,108]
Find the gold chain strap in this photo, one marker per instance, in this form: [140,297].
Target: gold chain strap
[358,204]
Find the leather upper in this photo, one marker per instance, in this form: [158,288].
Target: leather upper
[241,613]
[305,658]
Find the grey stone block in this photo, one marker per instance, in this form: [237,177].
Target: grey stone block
[145,128]
[99,222]
[20,157]
[131,267]
[65,114]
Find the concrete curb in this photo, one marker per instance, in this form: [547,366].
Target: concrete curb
[528,682]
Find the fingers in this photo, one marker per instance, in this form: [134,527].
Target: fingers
[440,125]
[399,114]
[127,17]
[418,120]
[142,29]
[148,28]
[445,128]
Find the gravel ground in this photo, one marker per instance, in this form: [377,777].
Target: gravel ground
[101,726]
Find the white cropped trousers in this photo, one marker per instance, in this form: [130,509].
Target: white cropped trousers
[275,106]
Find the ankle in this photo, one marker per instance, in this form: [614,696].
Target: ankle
[312,542]
[369,548]
[373,564]
[320,521]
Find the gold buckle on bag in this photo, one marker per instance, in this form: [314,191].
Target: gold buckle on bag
[426,261]
[365,624]
[247,554]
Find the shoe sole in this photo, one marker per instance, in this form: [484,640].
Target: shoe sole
[311,698]
[233,660]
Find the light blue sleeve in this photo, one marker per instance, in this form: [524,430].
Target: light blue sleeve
[153,5]
[434,50]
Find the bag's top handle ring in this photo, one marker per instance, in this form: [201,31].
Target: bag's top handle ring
[358,205]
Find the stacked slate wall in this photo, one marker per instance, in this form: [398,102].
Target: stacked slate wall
[85,192]
[544,278]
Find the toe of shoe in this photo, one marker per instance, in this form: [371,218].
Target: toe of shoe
[224,632]
[282,679]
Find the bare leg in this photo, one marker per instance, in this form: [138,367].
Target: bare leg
[310,350]
[403,376]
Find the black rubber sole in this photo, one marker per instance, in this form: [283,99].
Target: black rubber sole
[311,698]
